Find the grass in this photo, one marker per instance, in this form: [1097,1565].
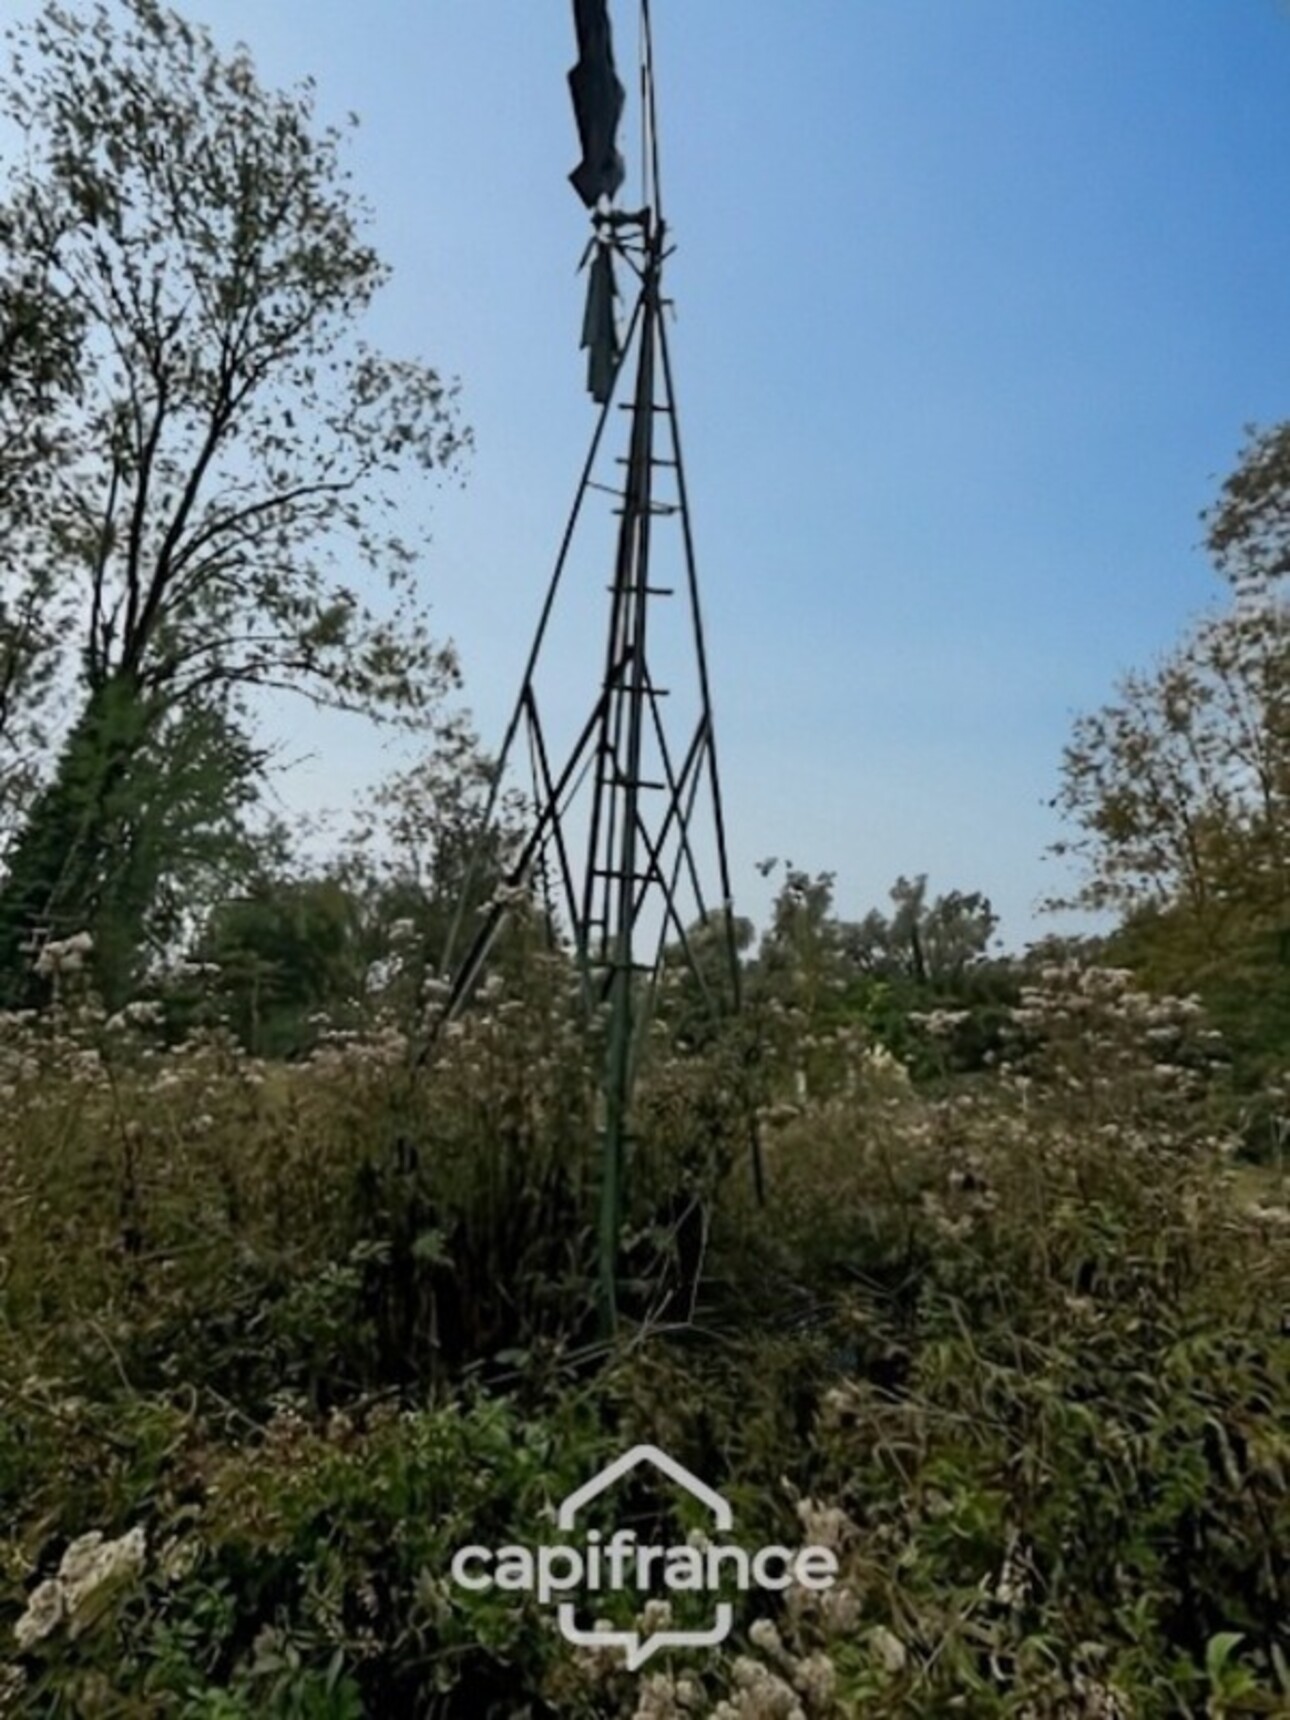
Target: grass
[284,1337]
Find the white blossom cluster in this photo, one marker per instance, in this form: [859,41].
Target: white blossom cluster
[91,1569]
[63,955]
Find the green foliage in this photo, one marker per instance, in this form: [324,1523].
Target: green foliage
[38,349]
[1010,1352]
[934,944]
[215,453]
[301,1572]
[284,953]
[1177,790]
[143,822]
[822,989]
[1013,1348]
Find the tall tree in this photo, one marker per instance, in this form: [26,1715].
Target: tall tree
[38,345]
[929,943]
[220,454]
[1178,790]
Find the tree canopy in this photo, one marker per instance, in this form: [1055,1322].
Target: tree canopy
[200,454]
[1178,789]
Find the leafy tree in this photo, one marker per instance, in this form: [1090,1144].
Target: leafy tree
[802,959]
[368,927]
[37,367]
[290,949]
[816,973]
[826,965]
[174,833]
[218,449]
[425,860]
[1179,789]
[1249,530]
[698,983]
[929,943]
[429,822]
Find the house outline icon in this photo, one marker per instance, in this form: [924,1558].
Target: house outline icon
[638,1650]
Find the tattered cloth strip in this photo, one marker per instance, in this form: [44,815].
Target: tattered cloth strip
[597,104]
[599,328]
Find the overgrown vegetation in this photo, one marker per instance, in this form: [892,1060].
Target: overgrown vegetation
[288,1313]
[286,1335]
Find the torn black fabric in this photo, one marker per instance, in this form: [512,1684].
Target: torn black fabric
[599,327]
[597,104]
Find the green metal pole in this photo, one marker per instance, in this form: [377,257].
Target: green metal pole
[632,583]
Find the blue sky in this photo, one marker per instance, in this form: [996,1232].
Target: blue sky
[975,298]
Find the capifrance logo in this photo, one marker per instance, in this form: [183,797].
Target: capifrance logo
[590,1563]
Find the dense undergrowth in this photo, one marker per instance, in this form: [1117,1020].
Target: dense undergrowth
[283,1337]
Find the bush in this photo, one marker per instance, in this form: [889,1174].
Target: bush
[282,1338]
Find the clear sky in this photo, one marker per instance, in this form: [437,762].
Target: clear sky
[975,298]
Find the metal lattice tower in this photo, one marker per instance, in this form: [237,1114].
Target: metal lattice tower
[625,831]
